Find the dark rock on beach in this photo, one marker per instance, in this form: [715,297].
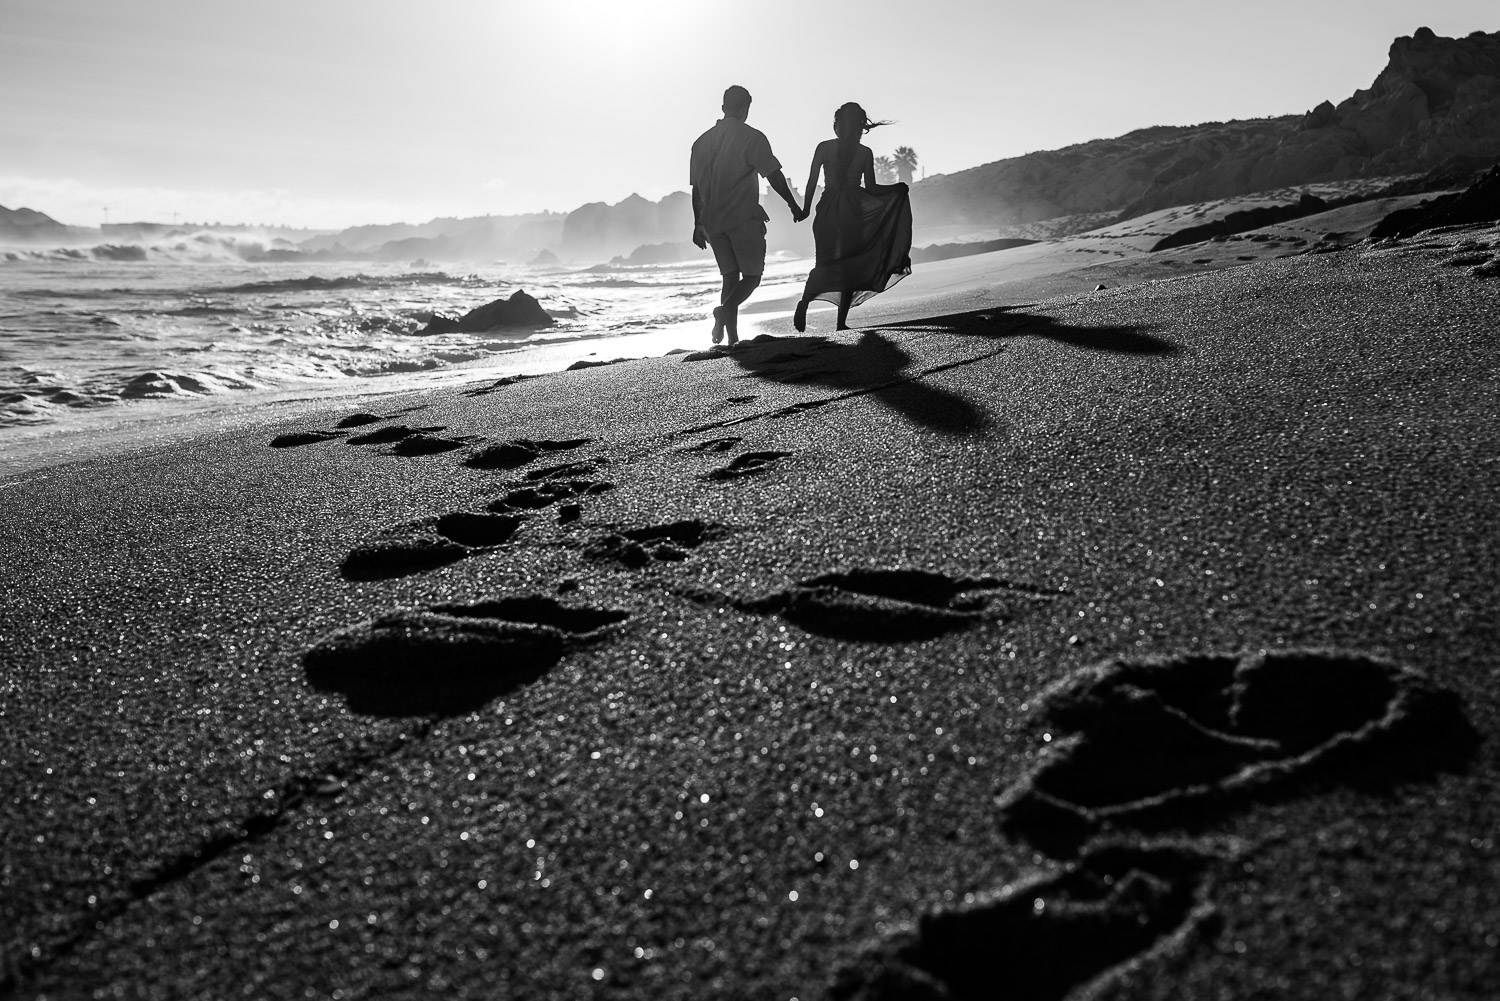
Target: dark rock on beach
[520,310]
[1479,203]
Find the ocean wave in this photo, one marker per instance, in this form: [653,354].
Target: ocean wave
[113,252]
[314,283]
[202,309]
[615,283]
[168,384]
[393,366]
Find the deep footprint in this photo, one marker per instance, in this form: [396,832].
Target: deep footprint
[428,544]
[547,493]
[636,548]
[889,606]
[387,435]
[1043,938]
[1158,743]
[746,464]
[426,444]
[297,438]
[514,454]
[450,659]
[714,445]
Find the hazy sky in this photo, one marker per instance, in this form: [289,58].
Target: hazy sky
[331,113]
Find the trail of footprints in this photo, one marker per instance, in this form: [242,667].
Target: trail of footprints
[1152,749]
[429,543]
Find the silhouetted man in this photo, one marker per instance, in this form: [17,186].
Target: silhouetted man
[726,204]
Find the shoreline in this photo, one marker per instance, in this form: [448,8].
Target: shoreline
[1111,258]
[801,671]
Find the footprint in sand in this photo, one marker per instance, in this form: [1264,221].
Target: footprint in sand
[746,464]
[501,383]
[297,438]
[553,485]
[518,453]
[1153,744]
[393,433]
[892,606]
[1045,937]
[450,659]
[312,437]
[547,493]
[636,548]
[428,544]
[713,445]
[1161,743]
[427,444]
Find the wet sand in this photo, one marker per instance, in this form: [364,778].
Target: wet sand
[1135,643]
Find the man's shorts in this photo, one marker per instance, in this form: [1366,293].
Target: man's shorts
[742,249]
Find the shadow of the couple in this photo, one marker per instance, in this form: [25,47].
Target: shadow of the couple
[876,365]
[994,322]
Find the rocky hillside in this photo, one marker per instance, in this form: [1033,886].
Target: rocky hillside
[30,226]
[1437,99]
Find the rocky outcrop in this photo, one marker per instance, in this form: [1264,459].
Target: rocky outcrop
[520,310]
[597,231]
[1479,203]
[1436,99]
[661,253]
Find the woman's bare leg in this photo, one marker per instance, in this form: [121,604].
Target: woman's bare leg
[846,299]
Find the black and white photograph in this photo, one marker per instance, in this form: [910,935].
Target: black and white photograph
[651,500]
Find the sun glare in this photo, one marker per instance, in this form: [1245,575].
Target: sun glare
[610,32]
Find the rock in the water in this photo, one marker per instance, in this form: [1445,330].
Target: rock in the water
[440,323]
[520,310]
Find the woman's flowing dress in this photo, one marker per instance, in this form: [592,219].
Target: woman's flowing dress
[863,239]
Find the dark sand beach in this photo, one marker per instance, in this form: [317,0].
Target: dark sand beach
[1136,643]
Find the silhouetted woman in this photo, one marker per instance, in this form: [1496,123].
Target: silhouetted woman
[863,233]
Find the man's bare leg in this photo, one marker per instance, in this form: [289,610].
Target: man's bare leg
[736,290]
[725,290]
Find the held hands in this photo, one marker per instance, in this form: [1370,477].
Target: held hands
[798,214]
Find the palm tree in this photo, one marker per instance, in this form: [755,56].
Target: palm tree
[885,170]
[906,163]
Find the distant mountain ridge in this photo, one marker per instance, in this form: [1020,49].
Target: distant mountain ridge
[1436,104]
[1437,99]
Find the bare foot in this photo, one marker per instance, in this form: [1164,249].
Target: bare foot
[718,334]
[799,318]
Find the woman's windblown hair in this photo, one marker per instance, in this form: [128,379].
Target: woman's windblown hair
[855,118]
